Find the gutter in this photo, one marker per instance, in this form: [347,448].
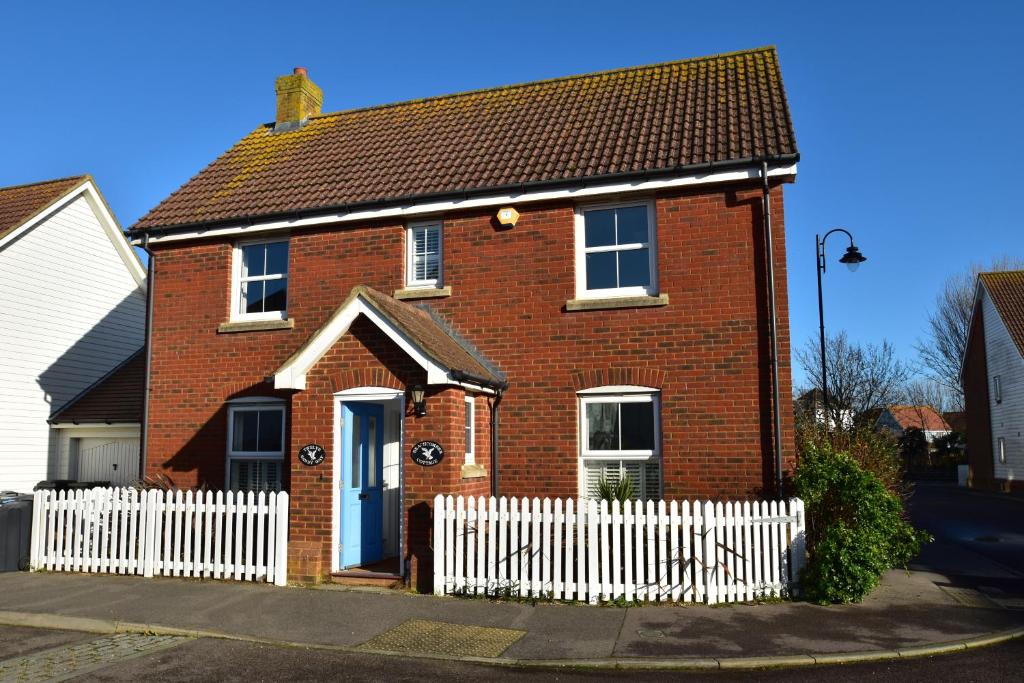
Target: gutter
[776,408]
[499,391]
[147,349]
[465,193]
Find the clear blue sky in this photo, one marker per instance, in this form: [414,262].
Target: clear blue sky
[908,116]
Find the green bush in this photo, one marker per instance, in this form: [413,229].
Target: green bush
[876,452]
[855,527]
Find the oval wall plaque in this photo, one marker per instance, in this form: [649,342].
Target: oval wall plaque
[427,453]
[312,454]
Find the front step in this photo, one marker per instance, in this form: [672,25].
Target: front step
[364,578]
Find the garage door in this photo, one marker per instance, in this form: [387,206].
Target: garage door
[108,459]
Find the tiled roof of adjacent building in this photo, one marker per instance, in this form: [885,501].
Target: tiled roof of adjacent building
[1007,291]
[19,203]
[924,418]
[115,398]
[640,121]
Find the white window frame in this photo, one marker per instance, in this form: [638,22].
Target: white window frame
[997,383]
[250,405]
[619,394]
[471,441]
[410,248]
[582,250]
[237,279]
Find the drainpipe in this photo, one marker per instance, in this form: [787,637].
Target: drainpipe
[776,407]
[494,441]
[144,427]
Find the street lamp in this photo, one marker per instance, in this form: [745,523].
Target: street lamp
[852,259]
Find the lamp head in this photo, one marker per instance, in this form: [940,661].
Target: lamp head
[419,401]
[853,258]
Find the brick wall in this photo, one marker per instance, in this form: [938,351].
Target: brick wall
[708,350]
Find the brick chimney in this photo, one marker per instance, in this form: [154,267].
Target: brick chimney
[298,98]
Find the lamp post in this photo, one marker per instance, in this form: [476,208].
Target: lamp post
[852,258]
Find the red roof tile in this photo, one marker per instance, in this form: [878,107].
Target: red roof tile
[18,203]
[641,120]
[116,397]
[924,418]
[1007,291]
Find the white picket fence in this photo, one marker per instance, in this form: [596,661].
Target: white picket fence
[212,534]
[665,551]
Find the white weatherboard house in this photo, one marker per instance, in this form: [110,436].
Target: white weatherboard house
[72,311]
[993,380]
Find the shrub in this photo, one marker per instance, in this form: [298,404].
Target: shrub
[876,452]
[611,491]
[855,527]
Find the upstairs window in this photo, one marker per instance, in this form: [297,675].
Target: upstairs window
[424,255]
[255,446]
[616,250]
[1001,447]
[261,281]
[997,386]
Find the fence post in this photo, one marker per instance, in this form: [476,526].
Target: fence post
[37,507]
[439,543]
[281,540]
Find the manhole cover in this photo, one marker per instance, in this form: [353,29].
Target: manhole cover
[441,638]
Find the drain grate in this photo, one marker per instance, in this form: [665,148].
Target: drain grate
[419,636]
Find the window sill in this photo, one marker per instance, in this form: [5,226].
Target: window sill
[616,302]
[423,293]
[473,472]
[255,325]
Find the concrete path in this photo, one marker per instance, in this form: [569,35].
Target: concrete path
[908,611]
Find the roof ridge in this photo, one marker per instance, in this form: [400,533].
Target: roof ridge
[82,176]
[545,81]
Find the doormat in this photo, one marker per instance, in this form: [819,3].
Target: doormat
[420,636]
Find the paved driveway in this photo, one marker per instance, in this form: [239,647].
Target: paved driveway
[979,538]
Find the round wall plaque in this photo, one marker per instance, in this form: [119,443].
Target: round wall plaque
[312,454]
[427,453]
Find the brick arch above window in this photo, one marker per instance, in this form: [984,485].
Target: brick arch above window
[365,377]
[618,376]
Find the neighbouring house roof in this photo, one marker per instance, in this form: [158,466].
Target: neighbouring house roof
[115,398]
[632,122]
[956,419]
[924,418]
[1007,292]
[417,329]
[18,203]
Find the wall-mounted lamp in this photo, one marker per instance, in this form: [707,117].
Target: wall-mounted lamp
[419,400]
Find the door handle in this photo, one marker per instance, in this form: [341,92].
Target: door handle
[364,496]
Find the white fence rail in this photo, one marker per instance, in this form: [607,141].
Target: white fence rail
[691,552]
[212,534]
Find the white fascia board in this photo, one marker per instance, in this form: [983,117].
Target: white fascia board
[714,177]
[293,374]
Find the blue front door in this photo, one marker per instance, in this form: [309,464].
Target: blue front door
[362,472]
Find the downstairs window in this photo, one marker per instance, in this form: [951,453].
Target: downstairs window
[620,437]
[255,446]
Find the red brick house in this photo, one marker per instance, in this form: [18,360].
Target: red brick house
[572,273]
[992,376]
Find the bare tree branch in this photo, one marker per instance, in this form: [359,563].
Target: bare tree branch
[860,376]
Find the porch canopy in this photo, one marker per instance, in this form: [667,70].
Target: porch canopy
[429,340]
